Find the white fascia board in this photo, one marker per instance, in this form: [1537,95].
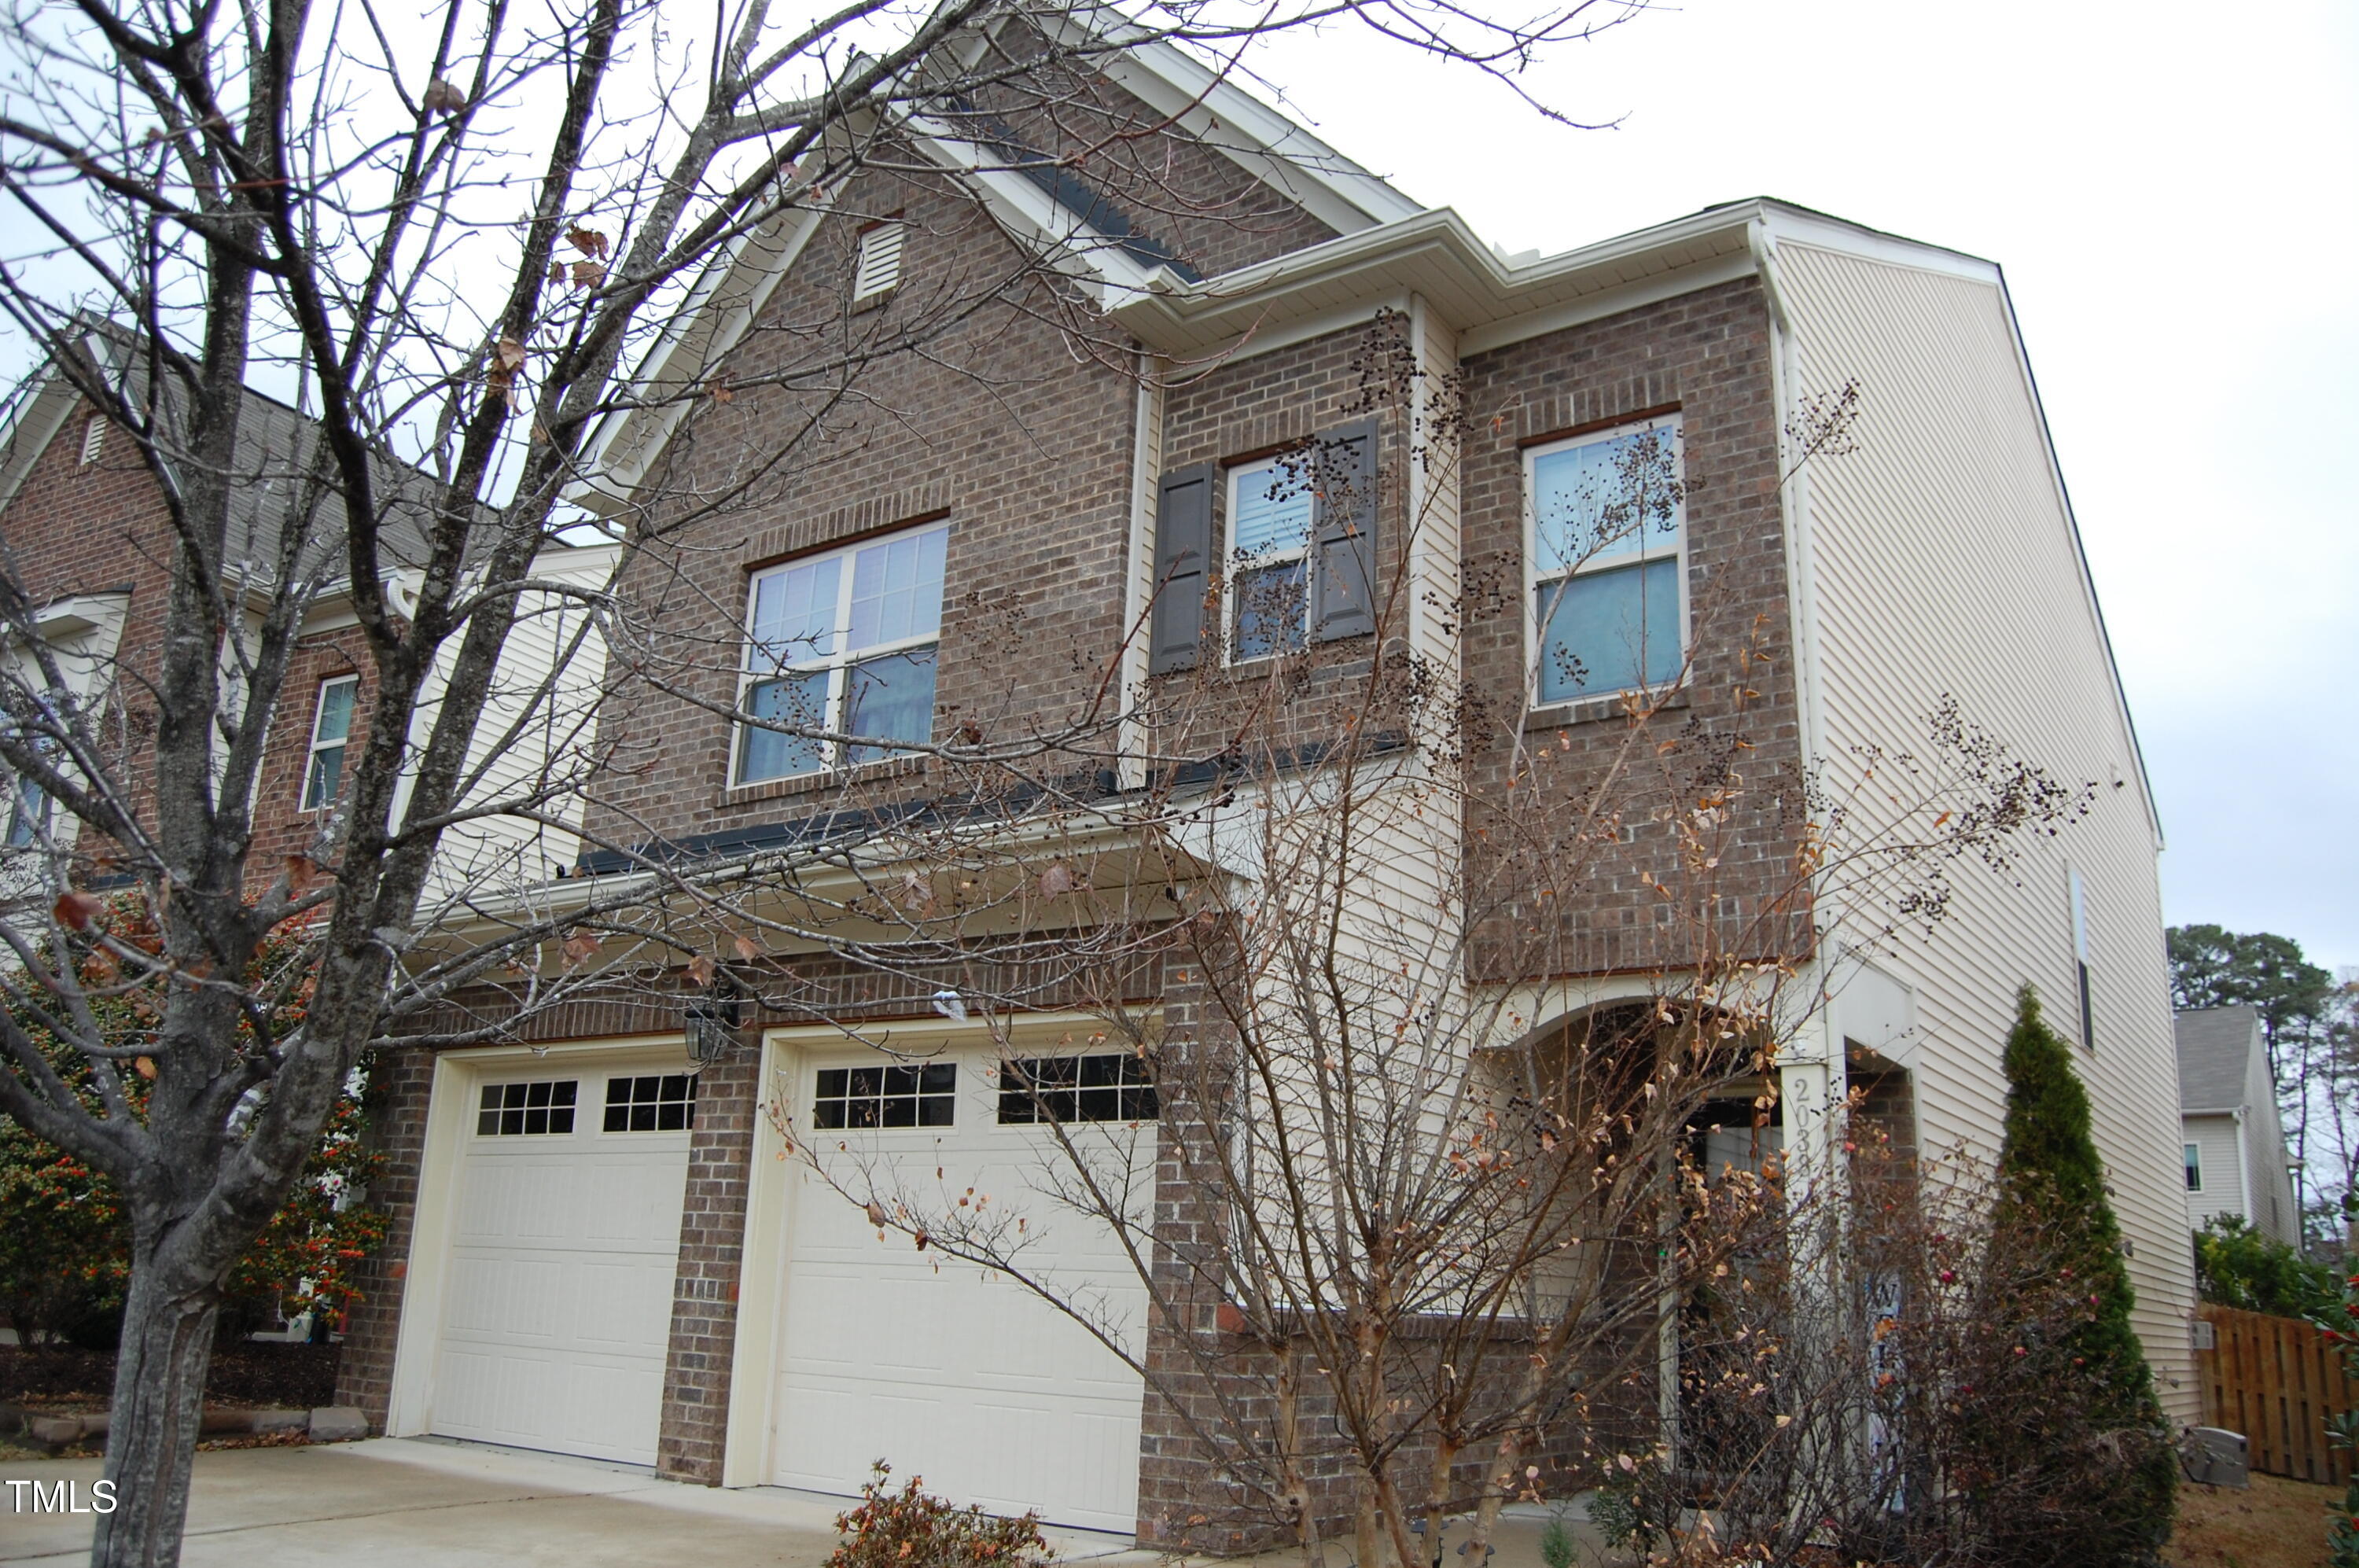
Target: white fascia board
[1788,224]
[1274,149]
[37,421]
[1035,217]
[1485,299]
[1263,142]
[710,322]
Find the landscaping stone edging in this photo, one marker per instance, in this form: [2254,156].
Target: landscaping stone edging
[329,1423]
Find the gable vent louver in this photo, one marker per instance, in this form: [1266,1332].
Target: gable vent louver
[879,266]
[93,435]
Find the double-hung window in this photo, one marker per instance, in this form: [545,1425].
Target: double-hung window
[1608,554]
[840,644]
[2194,1166]
[331,732]
[1270,558]
[28,813]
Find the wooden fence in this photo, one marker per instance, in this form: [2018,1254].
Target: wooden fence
[2277,1380]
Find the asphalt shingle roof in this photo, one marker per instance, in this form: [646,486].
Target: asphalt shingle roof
[2215,1046]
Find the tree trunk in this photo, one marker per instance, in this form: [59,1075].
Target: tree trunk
[151,1434]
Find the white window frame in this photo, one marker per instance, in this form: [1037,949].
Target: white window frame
[2085,969]
[837,661]
[312,752]
[2194,1152]
[1232,602]
[1535,625]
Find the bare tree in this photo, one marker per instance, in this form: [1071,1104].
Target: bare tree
[444,244]
[1422,1222]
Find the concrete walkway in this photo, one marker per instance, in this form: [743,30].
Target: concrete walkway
[410,1503]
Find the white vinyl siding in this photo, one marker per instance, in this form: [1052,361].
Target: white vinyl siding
[1944,564]
[2214,1139]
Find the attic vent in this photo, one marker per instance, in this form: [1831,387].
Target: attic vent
[879,267]
[93,434]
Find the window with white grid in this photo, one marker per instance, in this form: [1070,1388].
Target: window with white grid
[844,644]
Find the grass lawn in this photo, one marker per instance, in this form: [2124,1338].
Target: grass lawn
[2277,1524]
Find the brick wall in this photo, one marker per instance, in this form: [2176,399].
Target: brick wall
[1707,354]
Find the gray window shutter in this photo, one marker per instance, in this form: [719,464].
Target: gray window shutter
[1183,547]
[1344,573]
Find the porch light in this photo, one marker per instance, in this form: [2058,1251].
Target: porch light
[712,1021]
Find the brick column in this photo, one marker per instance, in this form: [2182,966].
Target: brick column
[698,1363]
[400,1081]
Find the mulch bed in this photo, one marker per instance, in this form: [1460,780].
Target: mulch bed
[288,1377]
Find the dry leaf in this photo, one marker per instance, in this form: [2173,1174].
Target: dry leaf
[877,1214]
[747,949]
[1057,881]
[700,969]
[581,948]
[144,1066]
[442,98]
[587,240]
[76,908]
[588,275]
[922,1239]
[557,272]
[721,392]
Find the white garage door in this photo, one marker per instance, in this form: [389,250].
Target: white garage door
[941,1369]
[562,1260]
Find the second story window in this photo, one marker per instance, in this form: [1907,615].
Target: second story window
[2194,1166]
[1608,553]
[331,730]
[842,643]
[28,813]
[1270,558]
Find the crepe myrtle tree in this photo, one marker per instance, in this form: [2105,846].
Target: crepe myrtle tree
[1415,1224]
[446,240]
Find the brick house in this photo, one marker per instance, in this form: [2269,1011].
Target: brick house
[598,1251]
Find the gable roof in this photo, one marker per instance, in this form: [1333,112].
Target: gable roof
[276,446]
[1089,236]
[2215,1056]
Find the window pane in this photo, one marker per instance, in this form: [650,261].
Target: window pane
[325,779]
[1269,610]
[794,614]
[793,700]
[335,720]
[28,813]
[1605,498]
[892,698]
[1272,514]
[1608,631]
[897,589]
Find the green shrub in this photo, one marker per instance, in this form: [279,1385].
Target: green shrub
[2105,1470]
[2236,1265]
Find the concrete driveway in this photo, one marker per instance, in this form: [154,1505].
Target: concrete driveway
[409,1503]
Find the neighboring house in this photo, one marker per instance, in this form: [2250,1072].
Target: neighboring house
[595,1252]
[85,530]
[2234,1139]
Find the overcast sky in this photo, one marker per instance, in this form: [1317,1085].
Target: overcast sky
[2174,193]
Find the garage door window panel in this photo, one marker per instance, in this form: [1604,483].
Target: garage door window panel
[525,1110]
[887,1096]
[1109,1086]
[651,1103]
